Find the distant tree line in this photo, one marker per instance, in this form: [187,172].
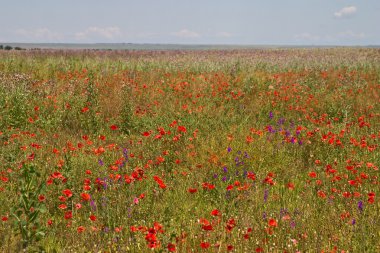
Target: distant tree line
[7,47]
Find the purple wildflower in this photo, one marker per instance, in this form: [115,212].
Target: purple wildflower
[93,205]
[281,121]
[360,206]
[266,193]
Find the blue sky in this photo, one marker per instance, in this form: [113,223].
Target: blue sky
[274,22]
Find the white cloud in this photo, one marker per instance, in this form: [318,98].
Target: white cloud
[346,12]
[103,32]
[351,34]
[184,33]
[40,34]
[224,34]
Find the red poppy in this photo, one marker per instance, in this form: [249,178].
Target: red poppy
[215,212]
[181,129]
[4,218]
[290,186]
[229,187]
[173,123]
[62,206]
[114,127]
[41,198]
[321,194]
[207,227]
[85,196]
[67,192]
[159,181]
[68,215]
[81,229]
[171,247]
[205,245]
[192,190]
[62,198]
[92,217]
[231,223]
[146,134]
[272,223]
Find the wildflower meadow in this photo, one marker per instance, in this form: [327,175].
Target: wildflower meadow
[249,150]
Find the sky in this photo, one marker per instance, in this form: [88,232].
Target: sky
[245,22]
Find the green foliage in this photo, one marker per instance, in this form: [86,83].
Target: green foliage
[27,211]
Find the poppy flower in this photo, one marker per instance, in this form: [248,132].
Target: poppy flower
[205,245]
[67,192]
[62,206]
[229,187]
[159,181]
[207,227]
[92,217]
[41,198]
[81,229]
[290,186]
[272,223]
[85,196]
[321,194]
[4,218]
[231,223]
[181,129]
[68,215]
[114,127]
[215,212]
[62,198]
[146,134]
[171,247]
[192,190]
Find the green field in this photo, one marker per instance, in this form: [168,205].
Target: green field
[239,150]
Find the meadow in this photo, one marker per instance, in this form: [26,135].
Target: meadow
[259,150]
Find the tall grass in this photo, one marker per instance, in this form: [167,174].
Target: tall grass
[196,151]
